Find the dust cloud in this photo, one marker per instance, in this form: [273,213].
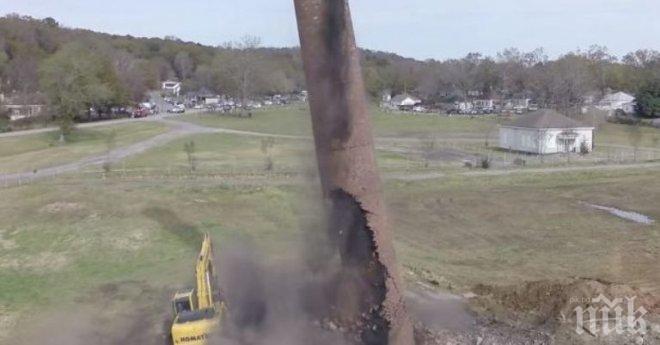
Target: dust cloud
[282,303]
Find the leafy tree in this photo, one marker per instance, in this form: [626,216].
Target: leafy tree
[76,79]
[4,60]
[51,22]
[648,100]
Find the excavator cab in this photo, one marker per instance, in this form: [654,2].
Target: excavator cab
[197,312]
[182,301]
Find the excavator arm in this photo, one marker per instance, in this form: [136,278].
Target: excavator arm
[204,275]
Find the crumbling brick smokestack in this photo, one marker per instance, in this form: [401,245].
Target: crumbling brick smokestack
[348,172]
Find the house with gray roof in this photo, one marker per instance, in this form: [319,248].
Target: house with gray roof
[546,132]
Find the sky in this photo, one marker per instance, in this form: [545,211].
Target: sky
[421,29]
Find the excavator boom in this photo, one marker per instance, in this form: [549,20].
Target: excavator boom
[204,274]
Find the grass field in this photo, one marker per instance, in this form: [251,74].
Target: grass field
[37,151]
[295,120]
[128,239]
[71,237]
[226,153]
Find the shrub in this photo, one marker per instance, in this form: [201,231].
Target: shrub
[584,148]
[485,163]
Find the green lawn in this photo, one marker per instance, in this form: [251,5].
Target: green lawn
[290,120]
[509,229]
[610,133]
[123,243]
[37,151]
[295,120]
[70,238]
[227,153]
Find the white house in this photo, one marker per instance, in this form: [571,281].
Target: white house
[173,87]
[617,101]
[23,111]
[546,132]
[405,101]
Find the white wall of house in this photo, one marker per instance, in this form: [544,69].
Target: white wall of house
[409,101]
[545,141]
[519,139]
[172,87]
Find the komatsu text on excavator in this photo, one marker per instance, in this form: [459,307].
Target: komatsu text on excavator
[198,312]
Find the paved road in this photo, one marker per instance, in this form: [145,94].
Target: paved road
[179,129]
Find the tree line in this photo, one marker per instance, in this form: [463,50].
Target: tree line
[563,83]
[75,69]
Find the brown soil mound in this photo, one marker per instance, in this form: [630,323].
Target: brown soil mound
[546,302]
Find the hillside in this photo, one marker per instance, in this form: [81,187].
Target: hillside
[134,65]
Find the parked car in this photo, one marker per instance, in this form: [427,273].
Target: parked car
[419,109]
[177,109]
[141,112]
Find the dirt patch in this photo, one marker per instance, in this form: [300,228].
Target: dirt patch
[484,333]
[170,221]
[541,313]
[548,302]
[131,241]
[62,207]
[6,244]
[106,315]
[42,262]
[550,306]
[7,322]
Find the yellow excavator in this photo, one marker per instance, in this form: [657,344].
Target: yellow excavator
[198,312]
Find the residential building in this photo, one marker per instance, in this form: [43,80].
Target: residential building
[172,87]
[617,101]
[546,132]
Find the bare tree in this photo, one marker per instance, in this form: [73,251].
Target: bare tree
[189,149]
[238,63]
[642,58]
[635,136]
[184,65]
[266,146]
